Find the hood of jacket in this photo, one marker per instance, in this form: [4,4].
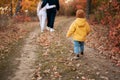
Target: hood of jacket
[80,22]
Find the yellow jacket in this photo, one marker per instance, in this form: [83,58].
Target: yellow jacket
[79,29]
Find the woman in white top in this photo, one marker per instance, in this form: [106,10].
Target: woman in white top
[42,14]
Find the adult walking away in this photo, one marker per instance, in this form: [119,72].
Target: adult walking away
[51,13]
[42,14]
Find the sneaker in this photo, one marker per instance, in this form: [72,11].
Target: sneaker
[82,53]
[78,55]
[52,30]
[47,28]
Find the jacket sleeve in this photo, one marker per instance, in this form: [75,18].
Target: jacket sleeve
[71,30]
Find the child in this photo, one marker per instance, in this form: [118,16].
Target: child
[42,15]
[79,29]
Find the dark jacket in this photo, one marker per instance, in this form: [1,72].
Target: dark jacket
[51,2]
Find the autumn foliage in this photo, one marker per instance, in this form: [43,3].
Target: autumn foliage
[109,14]
[69,7]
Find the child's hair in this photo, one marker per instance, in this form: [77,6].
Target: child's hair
[80,13]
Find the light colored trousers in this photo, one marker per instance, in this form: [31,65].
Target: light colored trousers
[42,18]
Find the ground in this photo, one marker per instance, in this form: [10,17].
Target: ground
[49,56]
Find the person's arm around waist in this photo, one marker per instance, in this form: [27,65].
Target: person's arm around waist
[50,6]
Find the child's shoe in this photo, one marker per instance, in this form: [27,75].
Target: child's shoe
[76,57]
[82,53]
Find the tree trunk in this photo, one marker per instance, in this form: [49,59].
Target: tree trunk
[18,7]
[88,8]
[11,12]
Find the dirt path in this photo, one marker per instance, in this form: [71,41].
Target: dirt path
[27,60]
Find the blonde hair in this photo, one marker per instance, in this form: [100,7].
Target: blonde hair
[80,13]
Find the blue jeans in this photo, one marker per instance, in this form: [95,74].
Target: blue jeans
[78,47]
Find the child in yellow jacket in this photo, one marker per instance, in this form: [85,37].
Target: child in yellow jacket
[79,29]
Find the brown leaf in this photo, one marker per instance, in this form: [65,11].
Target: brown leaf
[57,74]
[45,54]
[83,78]
[47,71]
[118,63]
[54,68]
[104,77]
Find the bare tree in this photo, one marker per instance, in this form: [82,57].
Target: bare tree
[88,8]
[18,7]
[11,8]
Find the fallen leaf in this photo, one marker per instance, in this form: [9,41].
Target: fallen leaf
[57,74]
[47,71]
[54,68]
[83,78]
